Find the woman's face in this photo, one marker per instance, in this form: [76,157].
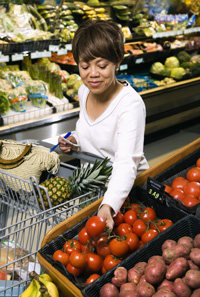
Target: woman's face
[98,74]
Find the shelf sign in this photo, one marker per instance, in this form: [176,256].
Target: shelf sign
[68,46]
[17,57]
[139,61]
[62,51]
[53,48]
[38,55]
[123,67]
[155,189]
[4,58]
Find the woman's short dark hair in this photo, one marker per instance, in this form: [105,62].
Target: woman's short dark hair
[98,39]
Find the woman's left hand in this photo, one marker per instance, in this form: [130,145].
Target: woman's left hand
[105,212]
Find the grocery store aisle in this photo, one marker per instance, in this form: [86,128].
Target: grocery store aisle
[162,148]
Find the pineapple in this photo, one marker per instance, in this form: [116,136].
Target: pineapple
[83,180]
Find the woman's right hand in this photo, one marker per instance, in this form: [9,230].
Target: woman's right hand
[66,147]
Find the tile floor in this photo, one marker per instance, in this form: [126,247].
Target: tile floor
[162,148]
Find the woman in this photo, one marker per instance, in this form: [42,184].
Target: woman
[112,114]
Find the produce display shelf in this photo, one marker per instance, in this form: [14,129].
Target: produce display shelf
[137,195]
[67,286]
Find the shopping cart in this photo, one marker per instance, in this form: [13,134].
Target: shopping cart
[24,223]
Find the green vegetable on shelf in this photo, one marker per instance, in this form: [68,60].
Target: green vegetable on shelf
[18,98]
[4,102]
[157,68]
[177,73]
[172,62]
[37,92]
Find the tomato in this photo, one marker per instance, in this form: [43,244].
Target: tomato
[148,214]
[133,241]
[123,229]
[103,270]
[75,271]
[118,247]
[92,278]
[192,188]
[179,183]
[78,260]
[198,163]
[61,256]
[190,200]
[110,261]
[118,219]
[136,207]
[139,227]
[168,189]
[71,245]
[2,275]
[83,236]
[94,262]
[149,235]
[102,246]
[130,216]
[177,194]
[162,224]
[95,226]
[193,174]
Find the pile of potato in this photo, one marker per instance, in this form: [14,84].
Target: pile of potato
[175,273]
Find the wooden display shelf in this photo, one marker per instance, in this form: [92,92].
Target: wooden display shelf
[66,287]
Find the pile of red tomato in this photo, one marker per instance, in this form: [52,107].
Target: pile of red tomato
[187,190]
[97,249]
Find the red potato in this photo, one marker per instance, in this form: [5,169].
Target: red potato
[167,285]
[197,241]
[145,289]
[128,293]
[177,268]
[164,293]
[135,273]
[195,256]
[155,272]
[171,254]
[154,258]
[169,243]
[181,289]
[120,276]
[189,241]
[142,279]
[196,293]
[192,279]
[192,265]
[109,290]
[127,287]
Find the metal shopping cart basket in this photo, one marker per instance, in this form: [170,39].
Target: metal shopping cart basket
[19,245]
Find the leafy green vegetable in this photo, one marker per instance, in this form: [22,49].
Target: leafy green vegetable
[4,102]
[178,73]
[37,91]
[183,57]
[18,98]
[157,68]
[172,62]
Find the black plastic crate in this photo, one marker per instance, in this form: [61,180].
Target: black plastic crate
[188,226]
[137,195]
[179,169]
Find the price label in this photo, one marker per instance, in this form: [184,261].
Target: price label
[139,61]
[53,48]
[123,67]
[4,58]
[17,57]
[62,51]
[155,189]
[36,55]
[68,46]
[46,54]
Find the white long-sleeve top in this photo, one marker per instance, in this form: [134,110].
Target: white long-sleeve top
[118,133]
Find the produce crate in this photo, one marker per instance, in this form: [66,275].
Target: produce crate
[69,229]
[167,176]
[187,226]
